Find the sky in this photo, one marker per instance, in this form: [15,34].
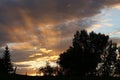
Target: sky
[37,31]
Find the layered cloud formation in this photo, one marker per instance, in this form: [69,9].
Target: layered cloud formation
[42,29]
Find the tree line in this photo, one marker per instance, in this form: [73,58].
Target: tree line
[91,54]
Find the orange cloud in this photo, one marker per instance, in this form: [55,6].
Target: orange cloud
[93,27]
[22,46]
[44,50]
[35,54]
[117,6]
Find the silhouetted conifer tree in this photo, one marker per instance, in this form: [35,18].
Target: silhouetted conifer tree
[7,61]
[2,68]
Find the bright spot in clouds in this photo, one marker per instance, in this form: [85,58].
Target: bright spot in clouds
[44,50]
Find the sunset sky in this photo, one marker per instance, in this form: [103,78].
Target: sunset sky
[37,31]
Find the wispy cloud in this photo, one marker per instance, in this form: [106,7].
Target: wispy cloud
[115,33]
[94,27]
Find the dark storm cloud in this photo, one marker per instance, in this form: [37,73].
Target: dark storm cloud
[46,11]
[54,9]
[69,28]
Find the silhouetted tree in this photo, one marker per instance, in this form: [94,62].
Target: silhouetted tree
[84,54]
[47,70]
[7,61]
[58,71]
[117,68]
[2,68]
[108,60]
[117,64]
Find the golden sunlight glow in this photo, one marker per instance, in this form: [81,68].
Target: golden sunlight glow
[33,66]
[117,6]
[48,58]
[38,62]
[44,50]
[34,55]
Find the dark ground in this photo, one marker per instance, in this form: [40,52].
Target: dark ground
[23,77]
